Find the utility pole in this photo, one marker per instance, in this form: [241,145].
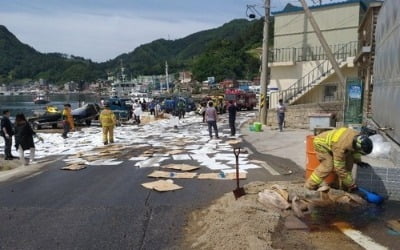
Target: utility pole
[264,67]
[323,42]
[166,75]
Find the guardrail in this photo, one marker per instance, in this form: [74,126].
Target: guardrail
[310,53]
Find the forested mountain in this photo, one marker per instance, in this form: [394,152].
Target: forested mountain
[222,52]
[20,61]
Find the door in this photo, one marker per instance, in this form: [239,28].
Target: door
[353,102]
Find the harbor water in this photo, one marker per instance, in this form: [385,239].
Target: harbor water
[24,103]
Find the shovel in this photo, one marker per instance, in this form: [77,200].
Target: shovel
[238,192]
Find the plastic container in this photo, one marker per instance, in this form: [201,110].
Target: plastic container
[257,126]
[251,127]
[313,162]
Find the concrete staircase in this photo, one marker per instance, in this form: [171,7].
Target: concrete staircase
[344,56]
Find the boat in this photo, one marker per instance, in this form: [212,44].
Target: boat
[121,87]
[41,99]
[141,96]
[50,116]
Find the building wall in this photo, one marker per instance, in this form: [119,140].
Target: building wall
[297,116]
[283,77]
[317,94]
[386,93]
[339,24]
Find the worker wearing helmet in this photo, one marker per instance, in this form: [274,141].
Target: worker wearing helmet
[338,150]
[107,121]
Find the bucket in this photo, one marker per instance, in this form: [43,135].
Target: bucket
[257,126]
[313,162]
[251,127]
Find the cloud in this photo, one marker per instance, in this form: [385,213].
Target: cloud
[96,36]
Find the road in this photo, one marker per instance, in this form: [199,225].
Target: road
[105,206]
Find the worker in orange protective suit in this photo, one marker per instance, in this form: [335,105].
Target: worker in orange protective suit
[338,150]
[107,121]
[68,120]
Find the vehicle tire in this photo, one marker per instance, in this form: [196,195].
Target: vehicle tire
[88,122]
[250,108]
[54,125]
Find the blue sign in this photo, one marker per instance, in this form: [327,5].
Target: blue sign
[355,91]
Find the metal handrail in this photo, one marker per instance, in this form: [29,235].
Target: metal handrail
[307,81]
[304,53]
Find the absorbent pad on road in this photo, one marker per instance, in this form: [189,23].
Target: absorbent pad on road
[165,174]
[182,167]
[222,176]
[162,185]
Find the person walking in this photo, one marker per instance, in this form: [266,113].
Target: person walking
[157,109]
[108,122]
[280,110]
[24,139]
[203,111]
[68,120]
[232,110]
[152,107]
[181,108]
[7,132]
[137,111]
[211,118]
[337,150]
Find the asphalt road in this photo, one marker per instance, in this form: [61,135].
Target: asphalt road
[105,207]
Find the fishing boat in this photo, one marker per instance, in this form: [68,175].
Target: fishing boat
[41,99]
[122,87]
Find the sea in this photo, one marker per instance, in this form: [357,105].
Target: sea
[24,103]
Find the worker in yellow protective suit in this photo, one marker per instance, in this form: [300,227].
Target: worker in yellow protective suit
[107,121]
[338,150]
[68,120]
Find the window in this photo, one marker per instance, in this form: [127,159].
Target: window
[330,93]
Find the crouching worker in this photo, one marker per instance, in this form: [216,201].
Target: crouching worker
[107,121]
[337,150]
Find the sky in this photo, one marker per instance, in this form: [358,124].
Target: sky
[101,30]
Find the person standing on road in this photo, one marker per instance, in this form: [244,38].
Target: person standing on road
[280,110]
[7,132]
[211,118]
[68,120]
[181,109]
[108,122]
[157,109]
[337,150]
[137,111]
[24,139]
[151,107]
[232,117]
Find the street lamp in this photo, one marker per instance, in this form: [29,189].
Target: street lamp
[264,60]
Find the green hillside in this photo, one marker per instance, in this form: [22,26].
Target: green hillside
[222,52]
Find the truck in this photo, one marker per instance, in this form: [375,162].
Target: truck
[169,105]
[121,107]
[243,99]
